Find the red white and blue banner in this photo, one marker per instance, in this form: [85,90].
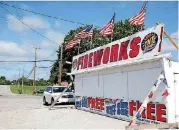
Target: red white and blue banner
[122,109]
[141,45]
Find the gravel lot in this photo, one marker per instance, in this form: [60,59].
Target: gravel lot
[28,112]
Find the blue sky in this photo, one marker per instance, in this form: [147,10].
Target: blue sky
[16,41]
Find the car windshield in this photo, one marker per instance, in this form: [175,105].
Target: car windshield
[60,89]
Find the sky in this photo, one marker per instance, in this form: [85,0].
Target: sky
[17,41]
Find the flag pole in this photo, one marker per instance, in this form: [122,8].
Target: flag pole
[111,36]
[91,39]
[113,25]
[79,48]
[145,7]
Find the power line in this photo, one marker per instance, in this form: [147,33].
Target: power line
[44,67]
[16,32]
[30,73]
[29,26]
[28,61]
[45,75]
[55,52]
[50,55]
[46,15]
[10,21]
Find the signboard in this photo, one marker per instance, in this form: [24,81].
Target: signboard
[143,44]
[119,108]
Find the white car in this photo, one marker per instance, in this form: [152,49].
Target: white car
[51,93]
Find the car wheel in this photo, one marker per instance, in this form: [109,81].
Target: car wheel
[44,101]
[52,100]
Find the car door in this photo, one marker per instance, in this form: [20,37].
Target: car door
[48,94]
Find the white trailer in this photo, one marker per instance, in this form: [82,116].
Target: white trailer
[114,79]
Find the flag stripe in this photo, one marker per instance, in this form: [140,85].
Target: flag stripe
[72,43]
[86,33]
[138,19]
[108,28]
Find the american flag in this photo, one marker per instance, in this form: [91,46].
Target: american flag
[138,19]
[86,33]
[72,43]
[108,28]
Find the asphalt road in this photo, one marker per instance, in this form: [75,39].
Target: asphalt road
[5,90]
[27,112]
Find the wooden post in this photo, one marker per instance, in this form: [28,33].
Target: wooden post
[34,82]
[34,69]
[68,87]
[79,48]
[18,79]
[169,38]
[60,65]
[23,80]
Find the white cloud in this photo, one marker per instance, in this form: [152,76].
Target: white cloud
[174,35]
[25,51]
[33,21]
[56,36]
[11,49]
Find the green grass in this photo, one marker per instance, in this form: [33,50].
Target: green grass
[26,89]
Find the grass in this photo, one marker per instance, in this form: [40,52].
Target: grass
[26,89]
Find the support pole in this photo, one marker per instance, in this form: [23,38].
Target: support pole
[79,48]
[91,44]
[169,38]
[34,83]
[19,79]
[23,80]
[146,100]
[68,87]
[113,27]
[60,65]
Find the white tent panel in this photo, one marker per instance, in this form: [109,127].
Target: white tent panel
[139,86]
[115,85]
[79,85]
[91,85]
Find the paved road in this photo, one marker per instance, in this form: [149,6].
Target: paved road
[22,112]
[5,90]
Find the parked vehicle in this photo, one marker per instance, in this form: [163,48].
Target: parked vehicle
[39,91]
[52,92]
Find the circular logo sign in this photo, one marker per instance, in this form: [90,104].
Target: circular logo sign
[149,42]
[74,64]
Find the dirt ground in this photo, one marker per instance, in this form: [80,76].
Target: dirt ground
[28,112]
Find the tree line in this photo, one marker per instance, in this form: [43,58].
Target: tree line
[28,82]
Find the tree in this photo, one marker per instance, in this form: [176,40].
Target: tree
[3,81]
[121,29]
[2,78]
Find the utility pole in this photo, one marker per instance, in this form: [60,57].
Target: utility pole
[23,80]
[60,65]
[18,79]
[34,85]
